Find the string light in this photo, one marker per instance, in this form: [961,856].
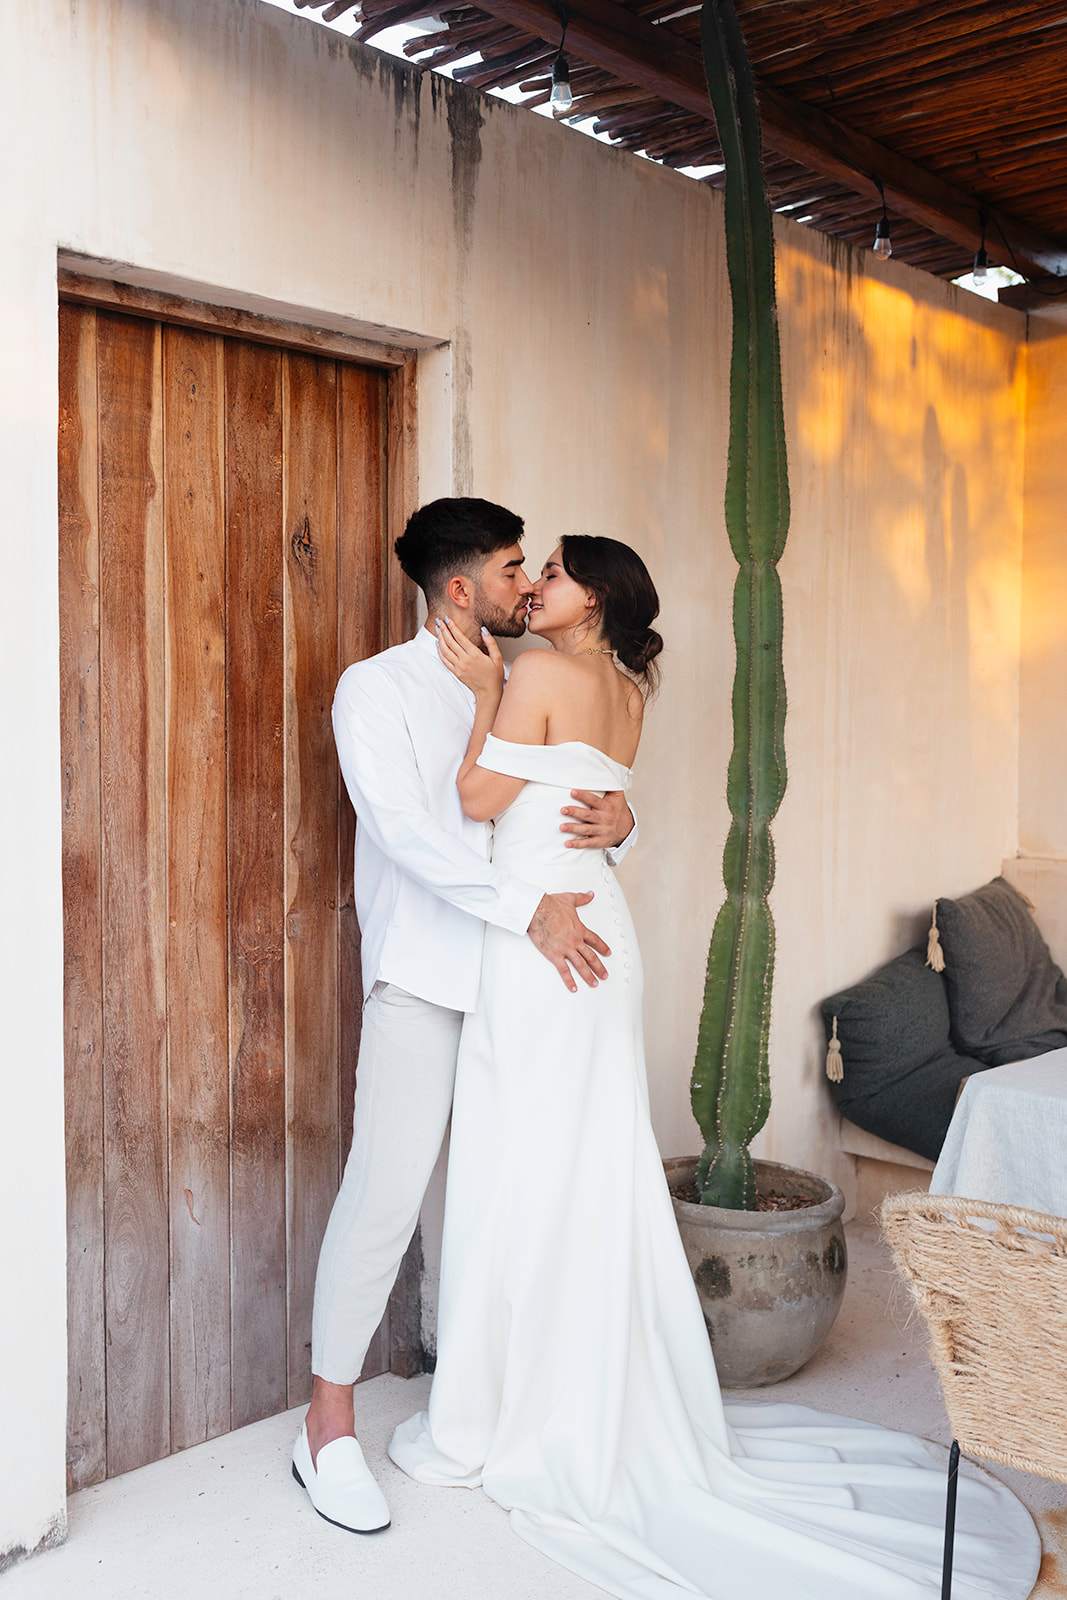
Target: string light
[883,244]
[980,270]
[561,99]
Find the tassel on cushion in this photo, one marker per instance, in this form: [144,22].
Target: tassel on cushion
[835,1066]
[935,956]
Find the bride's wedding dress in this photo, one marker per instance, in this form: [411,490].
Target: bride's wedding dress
[574,1381]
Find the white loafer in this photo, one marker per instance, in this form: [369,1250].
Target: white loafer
[340,1485]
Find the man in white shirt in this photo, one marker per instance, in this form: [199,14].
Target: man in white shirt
[424,890]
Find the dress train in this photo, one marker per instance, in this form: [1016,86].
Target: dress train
[575,1383]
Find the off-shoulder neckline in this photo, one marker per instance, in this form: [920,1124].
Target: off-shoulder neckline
[563,744]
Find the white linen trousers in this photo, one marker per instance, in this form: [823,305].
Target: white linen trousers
[404,1084]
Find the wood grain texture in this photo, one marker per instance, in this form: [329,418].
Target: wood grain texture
[80,288]
[256,811]
[311,833]
[197,1008]
[402,498]
[134,891]
[361,513]
[223,557]
[362,518]
[79,672]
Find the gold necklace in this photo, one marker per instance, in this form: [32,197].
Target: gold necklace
[595,651]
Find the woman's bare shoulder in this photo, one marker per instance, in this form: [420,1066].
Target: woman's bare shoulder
[533,683]
[535,665]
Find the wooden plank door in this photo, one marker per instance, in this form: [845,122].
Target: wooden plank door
[222,558]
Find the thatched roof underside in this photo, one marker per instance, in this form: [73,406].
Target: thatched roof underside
[957,105]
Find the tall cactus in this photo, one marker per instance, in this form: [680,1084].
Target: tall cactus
[731,1086]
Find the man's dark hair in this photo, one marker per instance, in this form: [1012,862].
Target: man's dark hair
[450,536]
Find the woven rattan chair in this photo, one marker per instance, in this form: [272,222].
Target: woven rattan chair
[991,1282]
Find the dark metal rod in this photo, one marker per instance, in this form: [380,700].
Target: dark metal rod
[950,1519]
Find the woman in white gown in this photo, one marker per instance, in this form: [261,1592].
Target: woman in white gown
[575,1381]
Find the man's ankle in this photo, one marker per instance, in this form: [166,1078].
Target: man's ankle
[330,1415]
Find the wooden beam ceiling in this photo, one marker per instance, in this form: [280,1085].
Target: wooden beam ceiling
[617,40]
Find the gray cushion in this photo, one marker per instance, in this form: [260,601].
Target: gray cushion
[901,1071]
[1007,997]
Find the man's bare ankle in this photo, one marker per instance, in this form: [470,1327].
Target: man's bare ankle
[329,1416]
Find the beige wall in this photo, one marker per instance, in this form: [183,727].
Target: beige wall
[1041,870]
[32,1260]
[902,576]
[573,307]
[1043,701]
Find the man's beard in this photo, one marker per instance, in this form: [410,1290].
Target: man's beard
[500,623]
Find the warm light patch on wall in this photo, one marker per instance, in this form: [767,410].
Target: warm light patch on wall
[993,601]
[809,302]
[822,410]
[903,538]
[1045,602]
[982,492]
[907,406]
[944,395]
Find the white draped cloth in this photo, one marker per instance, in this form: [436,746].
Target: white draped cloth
[575,1382]
[1007,1137]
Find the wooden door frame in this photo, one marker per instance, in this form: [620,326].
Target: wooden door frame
[400,365]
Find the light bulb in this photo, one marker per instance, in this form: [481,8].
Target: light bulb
[883,244]
[980,270]
[561,98]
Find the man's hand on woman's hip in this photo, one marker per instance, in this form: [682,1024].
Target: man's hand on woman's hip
[565,940]
[600,822]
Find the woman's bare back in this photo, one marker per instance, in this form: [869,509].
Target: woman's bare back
[584,698]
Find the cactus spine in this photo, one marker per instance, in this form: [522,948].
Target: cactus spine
[731,1086]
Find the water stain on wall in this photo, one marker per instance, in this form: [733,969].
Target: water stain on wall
[465,119]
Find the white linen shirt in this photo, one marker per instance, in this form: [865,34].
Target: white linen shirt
[425,885]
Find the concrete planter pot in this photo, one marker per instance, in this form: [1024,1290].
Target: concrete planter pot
[770,1282]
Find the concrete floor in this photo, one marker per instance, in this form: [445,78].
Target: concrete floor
[225,1520]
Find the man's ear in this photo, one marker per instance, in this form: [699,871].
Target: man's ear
[460,591]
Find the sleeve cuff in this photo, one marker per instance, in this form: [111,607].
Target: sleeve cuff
[518,902]
[616,854]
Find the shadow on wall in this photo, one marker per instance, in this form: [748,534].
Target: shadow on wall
[904,415]
[947,562]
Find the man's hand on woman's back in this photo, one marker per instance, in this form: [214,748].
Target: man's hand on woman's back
[599,822]
[563,939]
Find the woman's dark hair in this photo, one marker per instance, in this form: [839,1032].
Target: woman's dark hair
[450,536]
[626,598]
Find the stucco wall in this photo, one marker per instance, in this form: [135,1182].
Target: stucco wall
[1043,705]
[902,589]
[32,1247]
[1042,870]
[579,299]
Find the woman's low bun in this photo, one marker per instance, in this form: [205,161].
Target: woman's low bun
[638,653]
